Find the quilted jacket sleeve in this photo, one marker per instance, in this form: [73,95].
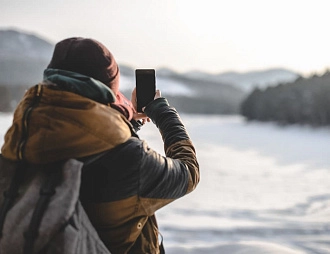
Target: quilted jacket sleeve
[176,174]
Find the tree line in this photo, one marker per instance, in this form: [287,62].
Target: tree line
[304,101]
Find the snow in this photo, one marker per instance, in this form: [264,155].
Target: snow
[264,189]
[172,87]
[240,248]
[166,85]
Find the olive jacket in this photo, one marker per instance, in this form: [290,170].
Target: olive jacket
[63,117]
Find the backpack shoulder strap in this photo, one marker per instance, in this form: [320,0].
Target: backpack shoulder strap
[47,190]
[10,194]
[35,211]
[49,187]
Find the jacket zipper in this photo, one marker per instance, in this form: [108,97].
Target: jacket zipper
[26,115]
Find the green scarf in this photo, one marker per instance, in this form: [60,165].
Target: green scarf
[81,85]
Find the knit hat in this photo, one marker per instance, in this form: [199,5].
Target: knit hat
[91,58]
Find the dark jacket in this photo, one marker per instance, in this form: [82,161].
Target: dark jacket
[128,182]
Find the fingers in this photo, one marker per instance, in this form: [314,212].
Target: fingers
[140,116]
[133,98]
[158,94]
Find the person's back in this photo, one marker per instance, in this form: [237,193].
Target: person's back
[123,189]
[77,116]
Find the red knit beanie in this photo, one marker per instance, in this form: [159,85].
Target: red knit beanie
[88,57]
[91,58]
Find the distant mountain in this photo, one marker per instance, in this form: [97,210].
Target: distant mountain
[191,95]
[249,80]
[24,56]
[260,79]
[15,44]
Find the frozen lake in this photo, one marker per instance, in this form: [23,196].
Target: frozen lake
[263,189]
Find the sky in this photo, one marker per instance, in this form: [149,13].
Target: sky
[212,36]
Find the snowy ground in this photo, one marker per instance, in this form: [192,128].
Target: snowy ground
[264,189]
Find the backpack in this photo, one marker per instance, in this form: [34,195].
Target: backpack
[40,210]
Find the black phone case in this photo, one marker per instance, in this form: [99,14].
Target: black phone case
[145,87]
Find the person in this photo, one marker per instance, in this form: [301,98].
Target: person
[77,111]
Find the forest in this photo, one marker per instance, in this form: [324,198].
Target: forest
[304,101]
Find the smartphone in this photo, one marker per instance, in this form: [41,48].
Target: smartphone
[145,87]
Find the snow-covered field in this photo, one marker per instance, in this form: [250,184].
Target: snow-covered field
[264,189]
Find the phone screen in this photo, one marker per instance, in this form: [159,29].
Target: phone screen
[145,87]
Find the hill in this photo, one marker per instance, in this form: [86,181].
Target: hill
[24,56]
[247,81]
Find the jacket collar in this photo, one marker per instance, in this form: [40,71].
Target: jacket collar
[80,84]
